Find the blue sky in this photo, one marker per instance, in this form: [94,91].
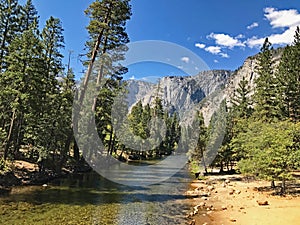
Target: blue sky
[222,33]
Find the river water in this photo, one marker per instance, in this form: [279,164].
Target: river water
[91,199]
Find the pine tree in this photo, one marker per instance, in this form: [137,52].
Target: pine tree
[241,104]
[289,79]
[22,85]
[53,41]
[28,17]
[107,32]
[9,12]
[197,154]
[266,96]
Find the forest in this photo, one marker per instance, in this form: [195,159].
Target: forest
[262,125]
[38,94]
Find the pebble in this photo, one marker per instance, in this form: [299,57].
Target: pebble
[231,219]
[231,191]
[202,204]
[193,222]
[262,202]
[224,207]
[210,188]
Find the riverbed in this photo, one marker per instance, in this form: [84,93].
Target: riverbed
[91,199]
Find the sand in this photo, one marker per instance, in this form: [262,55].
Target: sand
[236,202]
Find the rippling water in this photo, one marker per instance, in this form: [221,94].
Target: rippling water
[92,199]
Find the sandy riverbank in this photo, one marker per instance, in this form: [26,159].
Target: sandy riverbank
[232,199]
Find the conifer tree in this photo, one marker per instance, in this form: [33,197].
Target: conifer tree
[289,79]
[266,96]
[22,83]
[9,13]
[28,17]
[241,105]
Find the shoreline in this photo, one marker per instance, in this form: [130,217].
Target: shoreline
[232,199]
[25,173]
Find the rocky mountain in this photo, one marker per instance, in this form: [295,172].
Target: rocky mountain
[205,91]
[180,93]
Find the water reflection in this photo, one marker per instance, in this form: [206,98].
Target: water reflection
[92,199]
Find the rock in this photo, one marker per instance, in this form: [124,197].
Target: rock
[193,222]
[231,191]
[202,204]
[227,181]
[238,192]
[262,202]
[209,212]
[231,219]
[191,214]
[224,207]
[210,188]
[45,185]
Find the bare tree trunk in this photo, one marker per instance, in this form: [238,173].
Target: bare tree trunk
[283,187]
[93,59]
[273,184]
[203,161]
[9,135]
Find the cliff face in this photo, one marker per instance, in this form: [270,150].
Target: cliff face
[247,70]
[205,91]
[178,93]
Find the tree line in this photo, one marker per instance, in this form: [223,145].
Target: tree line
[37,89]
[263,123]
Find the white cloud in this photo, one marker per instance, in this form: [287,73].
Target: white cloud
[240,36]
[253,25]
[289,19]
[216,61]
[132,78]
[216,50]
[213,49]
[282,18]
[224,55]
[185,59]
[226,40]
[200,45]
[180,67]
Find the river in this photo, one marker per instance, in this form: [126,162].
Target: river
[91,199]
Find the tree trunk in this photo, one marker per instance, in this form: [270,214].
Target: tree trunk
[9,135]
[76,152]
[100,74]
[222,167]
[110,142]
[273,184]
[93,59]
[283,187]
[203,161]
[3,45]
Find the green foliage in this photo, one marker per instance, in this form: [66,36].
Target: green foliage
[266,96]
[289,76]
[196,154]
[4,167]
[271,149]
[143,121]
